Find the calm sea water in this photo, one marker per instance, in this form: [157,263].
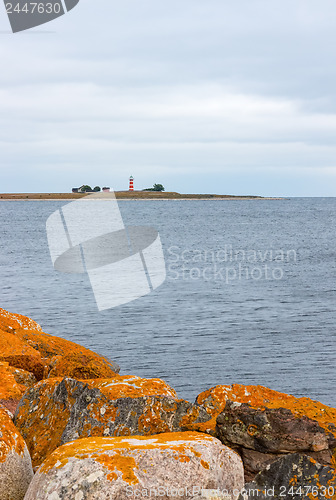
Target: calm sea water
[250,294]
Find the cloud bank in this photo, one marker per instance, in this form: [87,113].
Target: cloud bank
[216,96]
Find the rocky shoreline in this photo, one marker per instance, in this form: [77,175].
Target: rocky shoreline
[73,428]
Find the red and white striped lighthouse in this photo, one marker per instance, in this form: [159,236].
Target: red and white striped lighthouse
[131,187]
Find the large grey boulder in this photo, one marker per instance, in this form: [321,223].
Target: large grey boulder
[165,466]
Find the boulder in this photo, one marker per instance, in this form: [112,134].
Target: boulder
[13,384]
[167,466]
[14,381]
[295,477]
[214,401]
[272,431]
[81,365]
[66,358]
[128,386]
[9,388]
[57,411]
[56,356]
[10,321]
[15,464]
[20,355]
[317,436]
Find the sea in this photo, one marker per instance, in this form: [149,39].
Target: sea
[249,295]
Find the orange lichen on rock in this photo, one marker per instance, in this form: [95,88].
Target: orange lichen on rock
[333,460]
[43,354]
[10,438]
[328,490]
[10,321]
[117,462]
[80,365]
[293,476]
[55,349]
[189,418]
[22,377]
[208,427]
[257,396]
[20,355]
[130,386]
[9,389]
[14,382]
[44,434]
[107,467]
[56,411]
[182,444]
[151,421]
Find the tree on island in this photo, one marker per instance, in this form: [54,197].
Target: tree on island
[156,187]
[85,189]
[96,189]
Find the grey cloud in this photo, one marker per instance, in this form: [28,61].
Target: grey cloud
[173,86]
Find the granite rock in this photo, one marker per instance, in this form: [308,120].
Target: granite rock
[15,464]
[57,411]
[174,465]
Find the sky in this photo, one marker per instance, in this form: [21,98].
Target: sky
[202,96]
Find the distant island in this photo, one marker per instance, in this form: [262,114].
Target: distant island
[133,195]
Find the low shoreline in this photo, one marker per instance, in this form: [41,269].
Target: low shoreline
[135,195]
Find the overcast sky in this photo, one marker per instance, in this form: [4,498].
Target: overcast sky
[217,96]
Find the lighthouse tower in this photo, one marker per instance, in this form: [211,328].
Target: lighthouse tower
[131,188]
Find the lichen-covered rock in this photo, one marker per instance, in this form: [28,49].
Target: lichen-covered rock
[23,378]
[174,465]
[56,355]
[9,388]
[272,431]
[10,321]
[128,386]
[14,381]
[15,465]
[295,477]
[257,396]
[65,358]
[81,366]
[20,355]
[57,411]
[260,398]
